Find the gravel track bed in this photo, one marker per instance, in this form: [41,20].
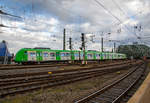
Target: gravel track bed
[42,69]
[45,69]
[66,93]
[32,70]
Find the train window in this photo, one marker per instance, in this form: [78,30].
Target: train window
[90,55]
[32,54]
[52,54]
[45,54]
[67,54]
[97,55]
[62,54]
[76,54]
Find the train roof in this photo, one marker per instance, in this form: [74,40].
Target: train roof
[48,49]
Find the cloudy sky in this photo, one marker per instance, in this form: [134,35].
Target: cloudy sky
[42,22]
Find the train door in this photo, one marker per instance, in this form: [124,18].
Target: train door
[81,56]
[110,56]
[25,56]
[116,57]
[68,56]
[76,55]
[107,56]
[39,56]
[31,55]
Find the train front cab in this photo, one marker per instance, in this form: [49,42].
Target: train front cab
[24,56]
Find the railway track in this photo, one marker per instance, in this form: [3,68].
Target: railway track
[9,86]
[27,74]
[114,92]
[14,67]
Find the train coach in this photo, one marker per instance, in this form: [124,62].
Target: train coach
[35,55]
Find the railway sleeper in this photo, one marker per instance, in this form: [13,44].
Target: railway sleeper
[103,100]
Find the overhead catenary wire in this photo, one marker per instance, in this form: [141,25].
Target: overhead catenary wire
[124,14]
[118,18]
[116,4]
[107,10]
[114,16]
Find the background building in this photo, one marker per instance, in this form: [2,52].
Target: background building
[5,56]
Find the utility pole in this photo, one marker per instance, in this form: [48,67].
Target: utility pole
[83,46]
[102,41]
[64,40]
[112,50]
[114,47]
[70,47]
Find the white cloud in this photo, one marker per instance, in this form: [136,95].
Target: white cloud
[76,16]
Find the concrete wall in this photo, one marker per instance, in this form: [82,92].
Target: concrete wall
[143,93]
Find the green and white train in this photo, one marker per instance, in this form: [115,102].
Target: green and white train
[35,55]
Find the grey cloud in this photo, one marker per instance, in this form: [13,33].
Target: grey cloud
[83,16]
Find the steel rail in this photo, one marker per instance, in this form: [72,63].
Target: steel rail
[59,71]
[59,75]
[59,78]
[101,91]
[15,67]
[53,82]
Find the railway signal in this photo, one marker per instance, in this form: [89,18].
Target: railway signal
[70,43]
[83,46]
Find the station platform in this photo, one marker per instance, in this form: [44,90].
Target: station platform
[143,93]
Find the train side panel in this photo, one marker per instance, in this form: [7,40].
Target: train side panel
[47,55]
